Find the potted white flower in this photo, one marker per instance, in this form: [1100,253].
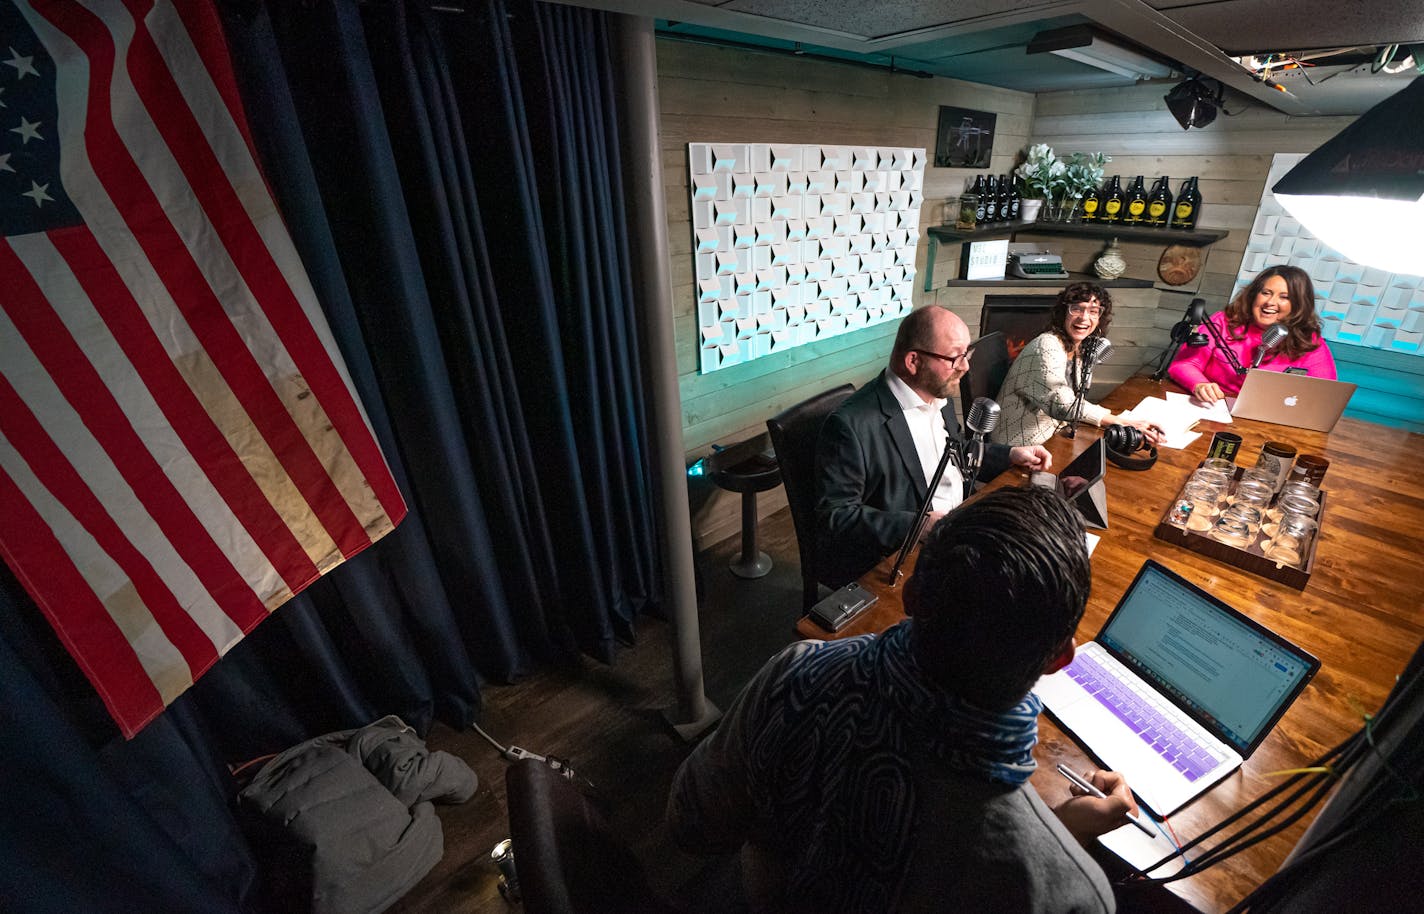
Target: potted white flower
[1042,174]
[1084,173]
[1060,182]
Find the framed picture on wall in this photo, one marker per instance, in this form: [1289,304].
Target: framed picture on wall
[965,138]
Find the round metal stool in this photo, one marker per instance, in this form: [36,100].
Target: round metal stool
[757,473]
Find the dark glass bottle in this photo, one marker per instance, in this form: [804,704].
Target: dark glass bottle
[1159,203]
[1112,203]
[1135,210]
[1015,200]
[1092,205]
[1184,214]
[1004,195]
[978,191]
[991,199]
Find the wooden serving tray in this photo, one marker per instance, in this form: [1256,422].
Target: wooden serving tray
[1251,558]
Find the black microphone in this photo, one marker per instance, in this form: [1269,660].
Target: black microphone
[1271,337]
[1091,352]
[983,416]
[1196,316]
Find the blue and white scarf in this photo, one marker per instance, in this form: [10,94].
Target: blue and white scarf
[833,765]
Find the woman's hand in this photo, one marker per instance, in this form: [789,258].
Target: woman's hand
[1153,432]
[1208,392]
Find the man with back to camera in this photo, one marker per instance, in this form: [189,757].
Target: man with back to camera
[890,772]
[878,451]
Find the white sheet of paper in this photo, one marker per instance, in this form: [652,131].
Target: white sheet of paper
[1220,411]
[1175,417]
[1092,539]
[1133,846]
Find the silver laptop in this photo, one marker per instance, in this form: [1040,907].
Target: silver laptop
[1297,400]
[1177,689]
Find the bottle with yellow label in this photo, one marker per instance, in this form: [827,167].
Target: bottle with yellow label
[1159,203]
[1112,203]
[1184,214]
[1135,210]
[1092,205]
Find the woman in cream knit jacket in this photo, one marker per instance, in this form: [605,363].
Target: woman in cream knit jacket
[1038,394]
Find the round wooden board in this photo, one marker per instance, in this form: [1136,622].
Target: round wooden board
[1180,264]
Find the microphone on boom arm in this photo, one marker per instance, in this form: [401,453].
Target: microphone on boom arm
[968,455]
[1092,352]
[1183,334]
[1271,337]
[983,416]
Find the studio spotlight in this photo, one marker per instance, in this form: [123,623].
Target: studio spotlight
[1193,103]
[1362,192]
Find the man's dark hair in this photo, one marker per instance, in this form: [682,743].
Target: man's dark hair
[914,333]
[998,590]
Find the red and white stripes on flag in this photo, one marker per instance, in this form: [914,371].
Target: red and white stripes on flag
[180,447]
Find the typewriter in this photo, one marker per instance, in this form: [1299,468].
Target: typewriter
[1029,261]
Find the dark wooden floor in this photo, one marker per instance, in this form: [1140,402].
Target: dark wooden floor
[607,721]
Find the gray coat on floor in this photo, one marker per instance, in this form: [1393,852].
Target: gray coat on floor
[350,818]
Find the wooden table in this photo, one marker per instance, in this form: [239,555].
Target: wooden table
[1362,613]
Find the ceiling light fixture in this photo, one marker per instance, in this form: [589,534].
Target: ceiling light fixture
[1193,103]
[1088,46]
[1362,192]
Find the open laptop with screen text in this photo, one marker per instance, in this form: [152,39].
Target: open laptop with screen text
[1297,400]
[1176,690]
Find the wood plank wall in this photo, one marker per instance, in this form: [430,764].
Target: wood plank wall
[1231,156]
[723,94]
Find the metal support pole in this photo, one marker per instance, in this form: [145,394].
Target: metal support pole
[652,287]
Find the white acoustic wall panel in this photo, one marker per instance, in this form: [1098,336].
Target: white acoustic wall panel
[797,243]
[1357,304]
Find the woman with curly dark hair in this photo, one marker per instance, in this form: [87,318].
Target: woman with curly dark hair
[1038,395]
[1278,295]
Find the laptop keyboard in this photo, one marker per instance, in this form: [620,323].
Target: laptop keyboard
[1156,723]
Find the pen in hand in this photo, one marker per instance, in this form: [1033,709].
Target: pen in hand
[1084,785]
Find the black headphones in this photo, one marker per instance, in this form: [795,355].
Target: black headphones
[1125,440]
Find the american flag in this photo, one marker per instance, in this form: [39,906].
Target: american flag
[180,447]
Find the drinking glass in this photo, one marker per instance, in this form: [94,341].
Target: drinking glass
[1250,515]
[1288,546]
[1292,503]
[1196,506]
[1232,531]
[1220,464]
[1253,492]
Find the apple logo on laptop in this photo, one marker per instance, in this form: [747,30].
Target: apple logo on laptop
[1291,401]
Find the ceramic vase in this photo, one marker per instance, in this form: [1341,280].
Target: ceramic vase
[1110,264]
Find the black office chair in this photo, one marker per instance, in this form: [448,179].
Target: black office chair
[566,858]
[794,431]
[987,371]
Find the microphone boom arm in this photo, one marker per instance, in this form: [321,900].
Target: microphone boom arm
[913,537]
[1219,342]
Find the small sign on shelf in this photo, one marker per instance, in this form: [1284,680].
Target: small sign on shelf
[986,259]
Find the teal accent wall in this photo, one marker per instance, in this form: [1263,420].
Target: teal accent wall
[1391,385]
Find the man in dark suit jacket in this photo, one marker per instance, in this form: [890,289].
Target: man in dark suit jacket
[873,467]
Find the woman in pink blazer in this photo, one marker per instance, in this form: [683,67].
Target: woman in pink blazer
[1278,295]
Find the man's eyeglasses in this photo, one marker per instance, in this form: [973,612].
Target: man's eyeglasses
[953,360]
[1079,308]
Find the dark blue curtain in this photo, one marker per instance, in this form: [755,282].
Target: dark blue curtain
[452,181]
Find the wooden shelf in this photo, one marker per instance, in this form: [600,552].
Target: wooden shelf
[1055,282]
[947,234]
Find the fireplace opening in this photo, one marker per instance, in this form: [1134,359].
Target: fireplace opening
[1019,317]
